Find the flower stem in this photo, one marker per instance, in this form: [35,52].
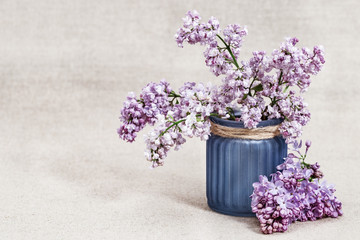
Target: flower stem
[172,125]
[214,115]
[229,50]
[174,96]
[279,80]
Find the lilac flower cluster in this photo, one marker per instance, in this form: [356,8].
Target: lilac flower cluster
[176,115]
[219,59]
[294,194]
[187,118]
[160,140]
[250,83]
[137,112]
[195,32]
[262,88]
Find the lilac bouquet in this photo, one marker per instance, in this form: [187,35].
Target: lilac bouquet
[264,87]
[295,194]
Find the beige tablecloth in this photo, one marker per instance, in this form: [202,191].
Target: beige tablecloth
[65,69]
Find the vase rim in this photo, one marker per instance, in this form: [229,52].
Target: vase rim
[240,124]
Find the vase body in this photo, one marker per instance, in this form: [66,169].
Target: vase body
[233,165]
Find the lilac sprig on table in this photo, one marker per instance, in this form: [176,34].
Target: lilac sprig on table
[296,193]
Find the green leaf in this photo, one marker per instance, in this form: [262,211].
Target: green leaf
[257,88]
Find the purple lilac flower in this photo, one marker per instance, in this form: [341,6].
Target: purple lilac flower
[217,59]
[159,142]
[272,208]
[188,118]
[294,194]
[234,87]
[196,106]
[234,35]
[195,32]
[262,88]
[259,78]
[133,118]
[251,111]
[155,99]
[136,113]
[297,64]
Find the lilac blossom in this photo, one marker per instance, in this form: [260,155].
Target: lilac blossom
[264,87]
[251,111]
[217,59]
[188,118]
[133,118]
[176,115]
[137,112]
[234,35]
[160,141]
[193,31]
[293,194]
[261,77]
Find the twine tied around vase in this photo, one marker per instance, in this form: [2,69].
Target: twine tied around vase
[245,133]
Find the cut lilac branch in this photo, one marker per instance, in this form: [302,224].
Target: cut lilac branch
[172,125]
[229,50]
[246,87]
[296,193]
[293,194]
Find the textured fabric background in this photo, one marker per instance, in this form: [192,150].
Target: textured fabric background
[65,69]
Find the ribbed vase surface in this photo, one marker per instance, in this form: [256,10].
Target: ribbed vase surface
[233,165]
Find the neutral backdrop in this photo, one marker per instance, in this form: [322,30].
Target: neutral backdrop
[65,69]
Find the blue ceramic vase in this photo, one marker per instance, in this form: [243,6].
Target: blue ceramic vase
[233,165]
